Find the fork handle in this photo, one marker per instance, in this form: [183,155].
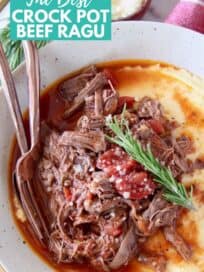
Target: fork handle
[9,90]
[33,73]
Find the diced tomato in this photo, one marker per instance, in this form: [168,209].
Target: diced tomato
[122,168]
[115,162]
[157,126]
[129,177]
[111,230]
[136,185]
[67,193]
[128,100]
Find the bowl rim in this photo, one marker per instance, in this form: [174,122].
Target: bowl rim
[18,74]
[127,22]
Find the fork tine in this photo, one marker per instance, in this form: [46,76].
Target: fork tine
[31,208]
[27,193]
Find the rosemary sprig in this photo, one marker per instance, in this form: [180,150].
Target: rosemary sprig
[13,49]
[174,191]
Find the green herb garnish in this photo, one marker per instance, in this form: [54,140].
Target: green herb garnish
[174,191]
[14,49]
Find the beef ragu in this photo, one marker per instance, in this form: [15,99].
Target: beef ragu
[101,206]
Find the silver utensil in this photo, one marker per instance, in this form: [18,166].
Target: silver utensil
[29,156]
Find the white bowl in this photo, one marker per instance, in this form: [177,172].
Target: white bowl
[131,40]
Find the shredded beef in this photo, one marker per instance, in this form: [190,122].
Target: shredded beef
[70,88]
[94,141]
[167,151]
[98,82]
[183,145]
[111,104]
[98,103]
[158,263]
[160,213]
[89,107]
[178,242]
[127,250]
[149,108]
[163,214]
[86,123]
[90,220]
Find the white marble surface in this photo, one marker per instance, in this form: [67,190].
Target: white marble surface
[158,11]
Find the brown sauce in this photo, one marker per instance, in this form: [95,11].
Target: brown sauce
[193,115]
[51,107]
[130,78]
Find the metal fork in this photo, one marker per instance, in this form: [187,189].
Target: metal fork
[29,156]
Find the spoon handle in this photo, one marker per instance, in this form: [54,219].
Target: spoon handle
[12,101]
[33,73]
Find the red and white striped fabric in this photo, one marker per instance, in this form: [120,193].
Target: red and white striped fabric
[188,13]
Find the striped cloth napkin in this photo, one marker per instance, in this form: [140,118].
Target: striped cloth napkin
[188,13]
